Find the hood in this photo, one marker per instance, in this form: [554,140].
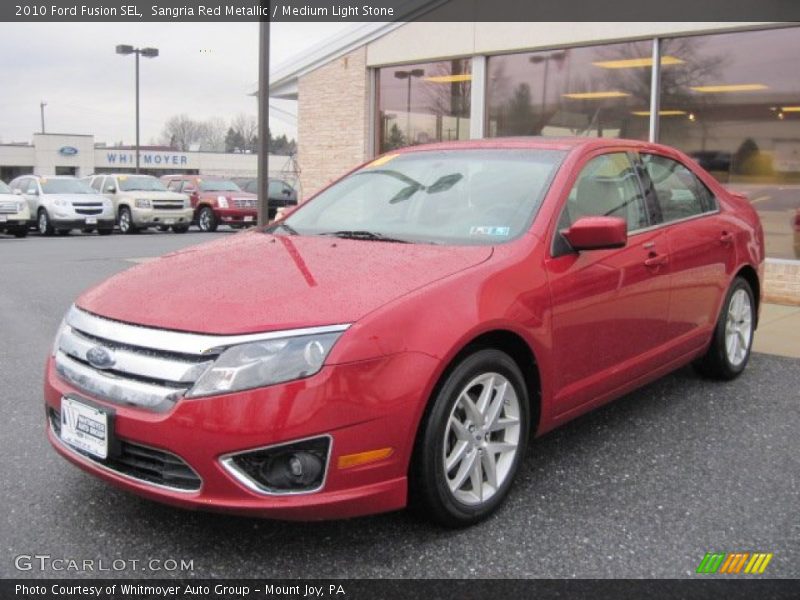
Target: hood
[79,198]
[254,282]
[155,195]
[229,194]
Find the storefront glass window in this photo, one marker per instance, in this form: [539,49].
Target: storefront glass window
[733,104]
[423,103]
[598,91]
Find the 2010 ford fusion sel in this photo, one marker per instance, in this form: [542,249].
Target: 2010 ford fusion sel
[401,337]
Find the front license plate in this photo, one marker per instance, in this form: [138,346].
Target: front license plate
[91,220]
[84,427]
[169,221]
[248,219]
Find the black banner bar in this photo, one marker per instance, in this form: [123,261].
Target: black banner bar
[398,10]
[701,588]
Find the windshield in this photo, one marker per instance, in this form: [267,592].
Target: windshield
[483,196]
[65,186]
[219,185]
[4,189]
[140,183]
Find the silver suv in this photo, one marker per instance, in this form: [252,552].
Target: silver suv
[62,203]
[142,201]
[14,213]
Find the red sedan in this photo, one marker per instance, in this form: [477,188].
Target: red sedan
[403,335]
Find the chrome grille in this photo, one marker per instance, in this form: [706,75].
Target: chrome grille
[244,202]
[167,205]
[8,206]
[149,368]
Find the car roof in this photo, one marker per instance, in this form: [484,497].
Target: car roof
[534,143]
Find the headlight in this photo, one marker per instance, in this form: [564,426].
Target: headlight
[60,202]
[21,205]
[222,202]
[142,203]
[264,363]
[187,203]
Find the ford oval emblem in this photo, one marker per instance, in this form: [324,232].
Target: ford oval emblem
[100,358]
[68,151]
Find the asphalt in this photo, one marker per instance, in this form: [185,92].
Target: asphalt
[641,488]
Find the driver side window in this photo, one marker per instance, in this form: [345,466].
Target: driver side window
[608,186]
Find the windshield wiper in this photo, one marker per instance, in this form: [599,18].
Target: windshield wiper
[364,235]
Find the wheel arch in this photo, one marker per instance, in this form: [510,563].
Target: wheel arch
[749,274]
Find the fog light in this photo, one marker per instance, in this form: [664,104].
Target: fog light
[295,467]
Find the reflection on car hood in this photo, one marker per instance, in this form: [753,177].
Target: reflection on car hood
[255,282]
[77,197]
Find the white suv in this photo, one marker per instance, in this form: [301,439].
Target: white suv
[14,213]
[61,203]
[142,201]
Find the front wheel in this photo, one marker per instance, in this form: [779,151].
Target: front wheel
[180,228]
[206,220]
[729,352]
[126,221]
[43,223]
[472,441]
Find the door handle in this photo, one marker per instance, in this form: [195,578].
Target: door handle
[656,260]
[726,237]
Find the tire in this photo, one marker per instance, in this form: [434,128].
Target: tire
[180,228]
[163,227]
[43,223]
[20,232]
[105,231]
[206,220]
[458,495]
[126,225]
[732,340]
[88,230]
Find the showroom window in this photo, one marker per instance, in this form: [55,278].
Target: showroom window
[598,91]
[733,104]
[423,103]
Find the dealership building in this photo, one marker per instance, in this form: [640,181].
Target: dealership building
[78,155]
[726,93]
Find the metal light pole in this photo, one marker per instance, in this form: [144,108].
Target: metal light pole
[408,75]
[263,121]
[42,104]
[147,53]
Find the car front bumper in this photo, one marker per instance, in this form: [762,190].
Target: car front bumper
[362,406]
[236,216]
[154,218]
[81,223]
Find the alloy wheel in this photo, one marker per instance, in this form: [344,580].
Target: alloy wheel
[738,327]
[481,438]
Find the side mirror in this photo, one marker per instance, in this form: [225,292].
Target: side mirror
[111,190]
[597,233]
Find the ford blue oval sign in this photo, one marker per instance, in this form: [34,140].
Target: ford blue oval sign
[68,151]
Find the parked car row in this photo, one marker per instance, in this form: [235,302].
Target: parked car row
[59,204]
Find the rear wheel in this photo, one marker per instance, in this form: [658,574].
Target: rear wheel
[729,352]
[472,441]
[43,223]
[126,221]
[206,220]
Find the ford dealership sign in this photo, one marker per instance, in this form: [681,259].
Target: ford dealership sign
[68,151]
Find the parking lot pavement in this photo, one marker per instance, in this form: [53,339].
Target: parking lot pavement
[641,488]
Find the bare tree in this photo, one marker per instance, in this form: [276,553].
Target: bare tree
[247,127]
[181,132]
[212,134]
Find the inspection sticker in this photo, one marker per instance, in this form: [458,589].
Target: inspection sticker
[485,230]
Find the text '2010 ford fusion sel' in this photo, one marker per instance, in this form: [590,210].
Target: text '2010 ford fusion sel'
[401,337]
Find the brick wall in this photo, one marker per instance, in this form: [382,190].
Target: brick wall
[782,282]
[332,120]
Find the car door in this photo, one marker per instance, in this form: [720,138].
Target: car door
[610,308]
[701,248]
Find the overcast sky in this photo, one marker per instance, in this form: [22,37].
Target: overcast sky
[204,70]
